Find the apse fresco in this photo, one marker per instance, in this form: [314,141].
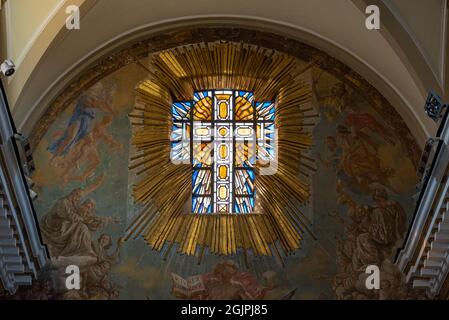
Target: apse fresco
[360,206]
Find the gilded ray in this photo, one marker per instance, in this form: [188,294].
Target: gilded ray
[163,188]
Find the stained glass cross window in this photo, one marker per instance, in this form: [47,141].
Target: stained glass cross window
[222,134]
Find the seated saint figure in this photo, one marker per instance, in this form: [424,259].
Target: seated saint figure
[67,228]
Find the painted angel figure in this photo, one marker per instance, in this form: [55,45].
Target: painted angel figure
[81,121]
[83,160]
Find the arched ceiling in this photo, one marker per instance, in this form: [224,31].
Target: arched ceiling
[58,56]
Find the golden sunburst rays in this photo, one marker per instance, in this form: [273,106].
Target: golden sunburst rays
[223,65]
[163,188]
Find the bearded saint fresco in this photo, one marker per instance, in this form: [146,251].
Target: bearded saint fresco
[67,228]
[68,231]
[374,230]
[371,237]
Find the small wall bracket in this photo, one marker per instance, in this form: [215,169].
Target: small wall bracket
[434,106]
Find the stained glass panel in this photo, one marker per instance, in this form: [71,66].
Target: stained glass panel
[181,111]
[265,111]
[202,110]
[223,133]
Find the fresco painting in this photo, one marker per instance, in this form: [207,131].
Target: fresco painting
[361,203]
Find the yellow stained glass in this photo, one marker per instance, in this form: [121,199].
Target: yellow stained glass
[243,109]
[223,110]
[202,131]
[223,151]
[202,110]
[223,172]
[222,192]
[223,131]
[244,131]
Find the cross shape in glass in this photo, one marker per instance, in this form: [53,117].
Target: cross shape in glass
[222,134]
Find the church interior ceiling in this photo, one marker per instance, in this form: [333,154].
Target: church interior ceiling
[111,200]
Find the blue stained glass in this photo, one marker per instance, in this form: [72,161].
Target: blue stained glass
[195,185]
[181,110]
[174,144]
[247,94]
[247,165]
[265,111]
[251,174]
[180,131]
[269,131]
[195,174]
[245,207]
[201,204]
[175,135]
[249,189]
[201,182]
